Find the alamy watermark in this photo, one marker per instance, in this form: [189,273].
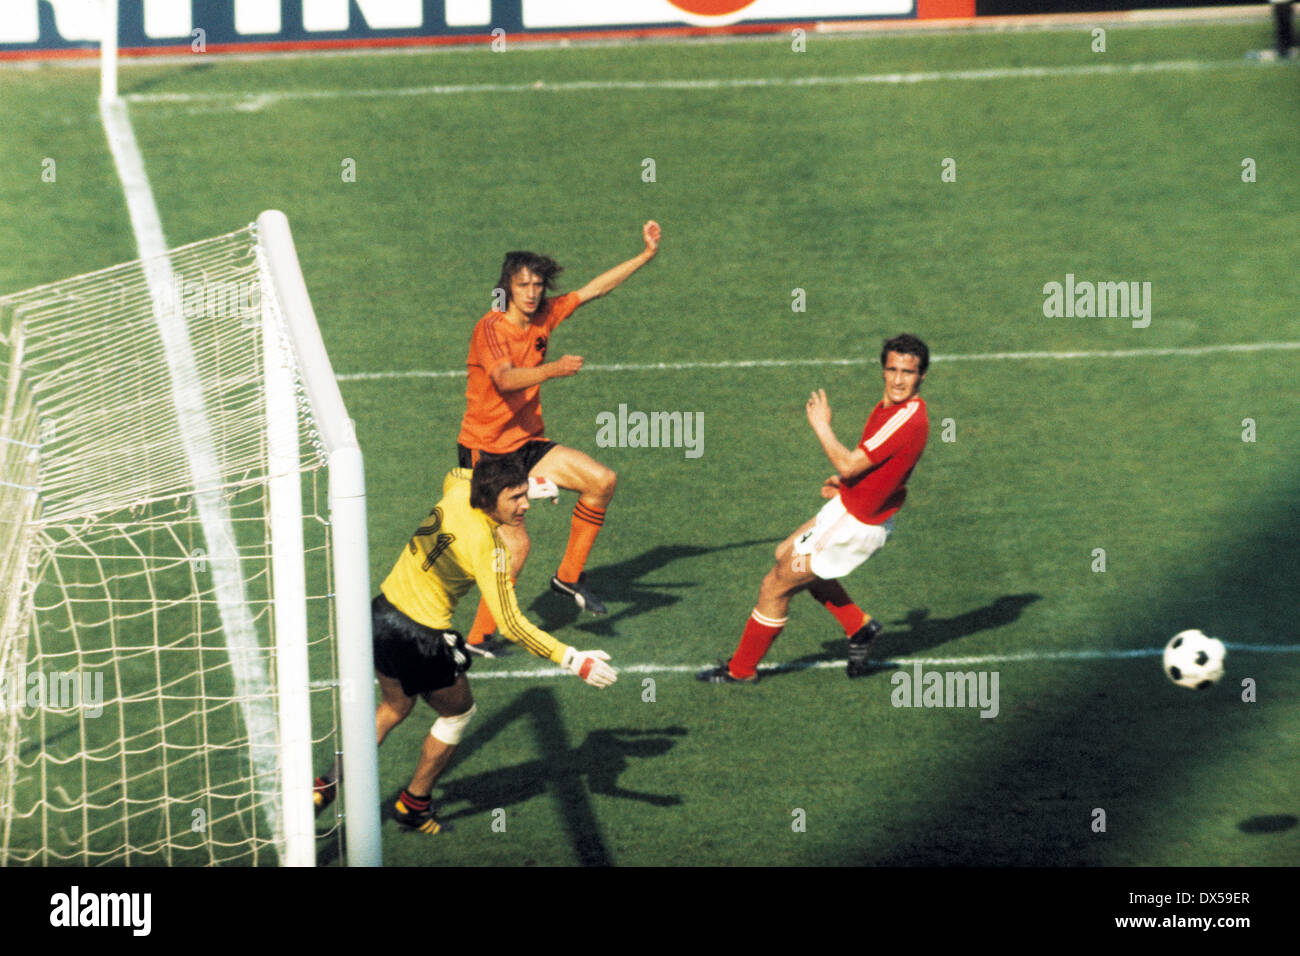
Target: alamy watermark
[1099,300]
[637,429]
[76,909]
[54,690]
[214,298]
[946,689]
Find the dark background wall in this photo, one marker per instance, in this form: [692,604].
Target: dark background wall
[1003,7]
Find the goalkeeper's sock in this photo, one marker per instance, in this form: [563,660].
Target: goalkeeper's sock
[413,803]
[760,632]
[587,522]
[416,813]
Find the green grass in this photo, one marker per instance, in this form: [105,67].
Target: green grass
[835,190]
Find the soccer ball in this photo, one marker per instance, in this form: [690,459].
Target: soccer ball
[1194,660]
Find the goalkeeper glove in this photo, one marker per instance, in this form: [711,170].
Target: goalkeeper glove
[543,488]
[590,666]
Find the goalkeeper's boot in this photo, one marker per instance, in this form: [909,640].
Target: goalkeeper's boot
[581,596]
[493,645]
[860,648]
[722,675]
[419,818]
[323,792]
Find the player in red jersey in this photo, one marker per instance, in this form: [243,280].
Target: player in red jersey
[503,413]
[866,491]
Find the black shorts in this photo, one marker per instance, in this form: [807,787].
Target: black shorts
[422,658]
[528,454]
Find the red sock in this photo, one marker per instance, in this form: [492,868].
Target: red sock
[851,617]
[760,632]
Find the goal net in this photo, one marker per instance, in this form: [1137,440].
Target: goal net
[182,557]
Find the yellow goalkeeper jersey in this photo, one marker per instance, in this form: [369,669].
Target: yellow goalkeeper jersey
[458,546]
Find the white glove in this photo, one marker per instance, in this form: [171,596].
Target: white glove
[543,488]
[590,666]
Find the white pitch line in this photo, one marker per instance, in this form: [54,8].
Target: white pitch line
[902,661]
[252,685]
[870,360]
[1026,657]
[259,99]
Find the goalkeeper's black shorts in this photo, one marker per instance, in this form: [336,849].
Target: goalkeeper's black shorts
[422,658]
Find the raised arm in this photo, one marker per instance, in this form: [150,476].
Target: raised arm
[847,463]
[607,282]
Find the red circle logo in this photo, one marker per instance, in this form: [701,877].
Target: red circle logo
[711,8]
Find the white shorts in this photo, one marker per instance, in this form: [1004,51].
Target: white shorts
[838,542]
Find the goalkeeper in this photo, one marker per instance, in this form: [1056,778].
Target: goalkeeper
[459,545]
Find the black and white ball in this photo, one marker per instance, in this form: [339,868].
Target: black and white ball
[1194,660]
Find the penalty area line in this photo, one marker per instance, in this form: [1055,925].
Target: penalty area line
[895,662]
[1189,350]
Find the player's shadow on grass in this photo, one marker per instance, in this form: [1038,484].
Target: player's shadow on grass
[600,759]
[621,583]
[1277,823]
[569,773]
[922,633]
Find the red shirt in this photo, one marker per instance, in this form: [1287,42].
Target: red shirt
[893,439]
[499,422]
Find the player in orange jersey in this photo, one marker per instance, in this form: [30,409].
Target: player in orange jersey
[503,414]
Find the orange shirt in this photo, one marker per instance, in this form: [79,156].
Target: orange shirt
[498,422]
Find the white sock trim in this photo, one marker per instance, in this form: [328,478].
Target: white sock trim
[768,621]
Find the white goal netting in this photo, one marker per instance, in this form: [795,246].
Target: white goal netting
[140,704]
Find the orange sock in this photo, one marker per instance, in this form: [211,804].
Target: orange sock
[484,623]
[586,525]
[759,634]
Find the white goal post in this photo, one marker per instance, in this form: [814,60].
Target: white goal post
[108,50]
[184,577]
[347,501]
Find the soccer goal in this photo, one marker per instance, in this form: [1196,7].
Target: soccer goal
[183,565]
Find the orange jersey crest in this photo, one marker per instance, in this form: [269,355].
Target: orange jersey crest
[498,422]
